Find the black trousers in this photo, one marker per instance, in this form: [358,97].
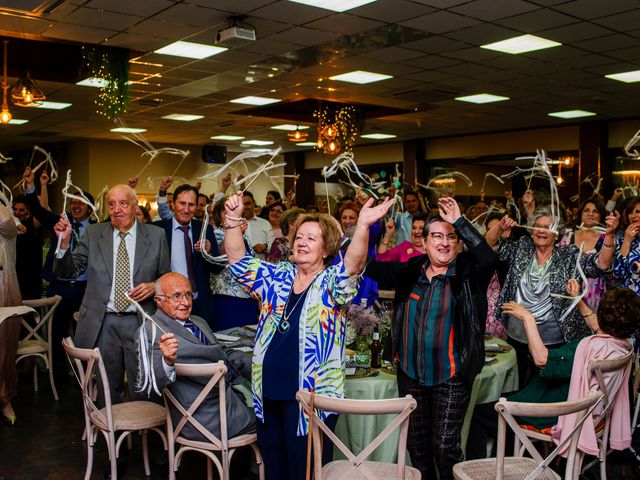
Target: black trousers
[283,452]
[72,294]
[435,427]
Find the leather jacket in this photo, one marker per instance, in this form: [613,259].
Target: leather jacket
[474,269]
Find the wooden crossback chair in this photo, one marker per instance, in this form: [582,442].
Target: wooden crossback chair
[115,422]
[602,421]
[356,466]
[37,343]
[224,445]
[534,467]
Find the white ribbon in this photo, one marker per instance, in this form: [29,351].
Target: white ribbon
[219,260]
[53,176]
[4,159]
[577,299]
[634,140]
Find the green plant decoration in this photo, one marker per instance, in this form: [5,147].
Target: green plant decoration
[111,65]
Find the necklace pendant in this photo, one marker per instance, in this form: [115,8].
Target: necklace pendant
[284,326]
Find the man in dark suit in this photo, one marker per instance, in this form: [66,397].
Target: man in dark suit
[188,339]
[120,257]
[70,289]
[183,234]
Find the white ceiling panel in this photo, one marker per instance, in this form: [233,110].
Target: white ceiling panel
[588,9]
[79,33]
[91,17]
[488,10]
[143,9]
[537,20]
[440,22]
[344,24]
[290,12]
[193,15]
[391,12]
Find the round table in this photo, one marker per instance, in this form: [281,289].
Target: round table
[357,431]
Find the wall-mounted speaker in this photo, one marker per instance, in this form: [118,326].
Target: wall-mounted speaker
[214,153]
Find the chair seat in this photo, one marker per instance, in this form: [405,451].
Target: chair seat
[381,470]
[234,442]
[27,347]
[515,468]
[136,415]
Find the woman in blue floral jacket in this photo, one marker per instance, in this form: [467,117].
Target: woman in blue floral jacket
[301,329]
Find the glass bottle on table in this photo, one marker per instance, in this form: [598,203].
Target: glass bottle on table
[376,350]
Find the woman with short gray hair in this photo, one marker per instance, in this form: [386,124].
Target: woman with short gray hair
[538,271]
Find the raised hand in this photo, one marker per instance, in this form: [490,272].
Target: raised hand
[449,209]
[133,182]
[165,183]
[63,229]
[234,206]
[612,221]
[29,178]
[44,178]
[369,215]
[169,347]
[390,228]
[573,287]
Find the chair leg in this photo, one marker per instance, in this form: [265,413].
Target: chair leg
[259,461]
[145,453]
[87,472]
[35,376]
[209,469]
[53,384]
[172,459]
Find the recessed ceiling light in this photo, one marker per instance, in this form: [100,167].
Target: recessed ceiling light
[255,100]
[335,5]
[183,117]
[306,144]
[190,50]
[521,44]
[128,130]
[378,136]
[482,98]
[229,138]
[290,127]
[361,76]
[93,82]
[49,105]
[572,114]
[626,77]
[18,121]
[257,142]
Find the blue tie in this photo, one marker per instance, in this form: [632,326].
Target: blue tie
[193,328]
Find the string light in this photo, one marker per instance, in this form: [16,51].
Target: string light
[111,65]
[338,128]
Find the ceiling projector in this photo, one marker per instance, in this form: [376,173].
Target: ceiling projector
[235,35]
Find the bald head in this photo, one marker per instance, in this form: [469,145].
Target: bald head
[172,285]
[122,202]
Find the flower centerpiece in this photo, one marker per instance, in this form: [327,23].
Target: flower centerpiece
[361,322]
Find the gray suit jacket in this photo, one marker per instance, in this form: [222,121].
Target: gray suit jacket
[94,254]
[240,418]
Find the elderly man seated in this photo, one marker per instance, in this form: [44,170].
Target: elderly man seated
[188,339]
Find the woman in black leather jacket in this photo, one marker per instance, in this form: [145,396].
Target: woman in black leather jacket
[437,339]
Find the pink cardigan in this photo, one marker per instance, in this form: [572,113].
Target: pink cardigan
[603,347]
[399,253]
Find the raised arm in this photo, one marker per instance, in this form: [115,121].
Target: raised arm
[493,234]
[356,256]
[233,242]
[538,351]
[605,257]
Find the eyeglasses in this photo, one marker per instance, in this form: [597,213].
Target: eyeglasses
[176,297]
[439,237]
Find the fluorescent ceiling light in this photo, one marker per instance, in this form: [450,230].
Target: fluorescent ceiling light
[257,142]
[128,130]
[306,144]
[190,50]
[521,44]
[482,98]
[335,5]
[18,121]
[49,105]
[229,138]
[378,136]
[182,117]
[255,100]
[361,76]
[290,127]
[626,77]
[93,82]
[572,114]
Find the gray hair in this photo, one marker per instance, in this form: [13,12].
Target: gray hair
[545,212]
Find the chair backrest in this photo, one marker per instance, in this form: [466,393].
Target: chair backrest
[598,367]
[46,308]
[508,410]
[216,373]
[87,373]
[400,406]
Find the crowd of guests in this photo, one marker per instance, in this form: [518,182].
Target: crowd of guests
[508,269]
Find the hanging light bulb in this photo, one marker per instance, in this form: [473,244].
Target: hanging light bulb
[330,132]
[297,136]
[332,148]
[5,114]
[26,93]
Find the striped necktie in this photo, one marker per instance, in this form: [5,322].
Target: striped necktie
[193,328]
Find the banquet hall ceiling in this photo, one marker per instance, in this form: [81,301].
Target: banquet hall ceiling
[430,47]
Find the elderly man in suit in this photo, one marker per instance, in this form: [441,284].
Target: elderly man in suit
[183,234]
[188,339]
[121,257]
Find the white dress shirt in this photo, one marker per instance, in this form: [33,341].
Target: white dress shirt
[260,231]
[178,254]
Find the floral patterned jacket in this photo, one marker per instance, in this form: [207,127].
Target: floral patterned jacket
[517,255]
[322,324]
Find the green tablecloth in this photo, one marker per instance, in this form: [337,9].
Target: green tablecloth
[357,431]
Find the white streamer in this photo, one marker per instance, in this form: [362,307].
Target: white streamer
[492,175]
[577,299]
[4,159]
[53,176]
[220,259]
[6,196]
[239,159]
[634,140]
[346,163]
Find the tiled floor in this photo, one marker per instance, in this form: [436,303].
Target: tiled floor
[45,444]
